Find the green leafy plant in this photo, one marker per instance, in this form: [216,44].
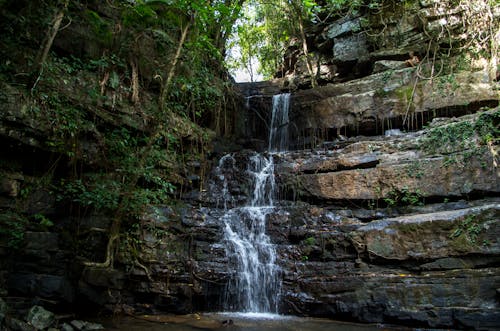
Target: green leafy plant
[469,228]
[310,241]
[404,196]
[469,137]
[12,228]
[43,221]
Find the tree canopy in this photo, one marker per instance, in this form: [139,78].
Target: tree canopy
[266,27]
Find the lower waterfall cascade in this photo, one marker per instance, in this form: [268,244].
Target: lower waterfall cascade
[254,285]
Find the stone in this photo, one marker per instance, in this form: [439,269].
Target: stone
[350,48]
[343,26]
[395,167]
[102,277]
[42,285]
[365,105]
[93,326]
[41,241]
[77,324]
[85,326]
[432,236]
[383,65]
[40,318]
[18,325]
[66,327]
[3,310]
[10,187]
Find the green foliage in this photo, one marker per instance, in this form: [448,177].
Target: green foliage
[469,228]
[487,127]
[43,221]
[469,135]
[12,228]
[101,27]
[121,156]
[405,196]
[268,27]
[415,170]
[310,241]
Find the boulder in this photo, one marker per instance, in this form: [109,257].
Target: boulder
[40,318]
[85,326]
[471,231]
[18,325]
[41,241]
[448,159]
[399,181]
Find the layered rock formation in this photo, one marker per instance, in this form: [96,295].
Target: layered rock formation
[421,246]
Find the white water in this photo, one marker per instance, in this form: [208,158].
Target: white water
[255,283]
[278,133]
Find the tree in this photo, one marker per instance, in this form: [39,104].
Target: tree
[266,28]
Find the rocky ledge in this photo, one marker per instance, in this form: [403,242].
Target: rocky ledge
[401,228]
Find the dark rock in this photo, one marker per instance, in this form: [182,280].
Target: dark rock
[66,327]
[45,286]
[477,319]
[85,326]
[40,201]
[17,325]
[104,277]
[3,311]
[40,318]
[41,241]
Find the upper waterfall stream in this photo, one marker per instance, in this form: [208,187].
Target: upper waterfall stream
[278,130]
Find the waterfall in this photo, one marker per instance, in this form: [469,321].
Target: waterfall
[278,133]
[255,284]
[255,281]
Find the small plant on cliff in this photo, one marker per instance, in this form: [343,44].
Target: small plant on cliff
[310,241]
[12,228]
[469,228]
[404,197]
[470,137]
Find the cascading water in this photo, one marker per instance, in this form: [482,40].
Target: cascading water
[278,132]
[255,283]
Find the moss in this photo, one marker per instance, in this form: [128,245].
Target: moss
[381,247]
[461,244]
[471,134]
[412,228]
[404,93]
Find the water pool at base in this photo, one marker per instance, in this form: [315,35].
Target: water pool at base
[236,322]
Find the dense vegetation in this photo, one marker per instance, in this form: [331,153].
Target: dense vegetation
[121,97]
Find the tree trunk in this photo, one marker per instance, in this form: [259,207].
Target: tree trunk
[171,72]
[48,41]
[314,83]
